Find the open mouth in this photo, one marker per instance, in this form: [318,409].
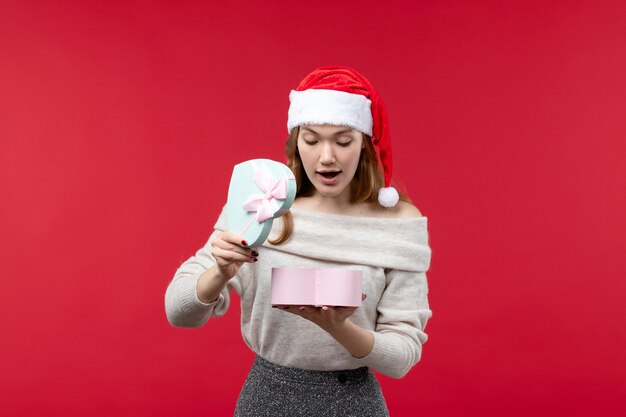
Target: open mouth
[329,174]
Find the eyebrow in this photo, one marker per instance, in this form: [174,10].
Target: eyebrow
[340,132]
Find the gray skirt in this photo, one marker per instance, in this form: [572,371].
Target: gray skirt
[275,390]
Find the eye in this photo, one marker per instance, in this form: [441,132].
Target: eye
[309,141]
[344,144]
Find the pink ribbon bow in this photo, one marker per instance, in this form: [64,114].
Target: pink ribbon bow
[262,203]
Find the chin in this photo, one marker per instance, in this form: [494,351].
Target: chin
[330,193]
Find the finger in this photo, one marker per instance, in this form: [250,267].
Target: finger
[290,309]
[231,256]
[229,246]
[226,246]
[234,238]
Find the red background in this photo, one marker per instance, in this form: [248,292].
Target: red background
[120,123]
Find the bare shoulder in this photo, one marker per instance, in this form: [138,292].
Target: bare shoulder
[404,210]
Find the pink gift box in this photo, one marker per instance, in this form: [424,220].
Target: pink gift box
[318,287]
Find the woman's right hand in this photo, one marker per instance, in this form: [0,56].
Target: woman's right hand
[230,251]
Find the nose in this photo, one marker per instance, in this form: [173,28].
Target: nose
[327,155]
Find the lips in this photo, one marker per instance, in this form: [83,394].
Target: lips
[328,174]
[328,177]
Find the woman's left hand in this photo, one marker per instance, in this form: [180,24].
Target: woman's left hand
[326,317]
[358,341]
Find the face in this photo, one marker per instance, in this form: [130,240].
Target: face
[330,157]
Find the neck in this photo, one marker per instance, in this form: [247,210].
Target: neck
[318,202]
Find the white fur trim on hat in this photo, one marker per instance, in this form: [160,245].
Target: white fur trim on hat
[388,197]
[320,107]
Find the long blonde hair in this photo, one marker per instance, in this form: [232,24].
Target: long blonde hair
[364,187]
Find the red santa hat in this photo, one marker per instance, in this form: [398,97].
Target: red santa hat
[340,96]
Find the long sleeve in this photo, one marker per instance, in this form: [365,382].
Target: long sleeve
[403,312]
[393,255]
[182,306]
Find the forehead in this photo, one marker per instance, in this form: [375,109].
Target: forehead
[327,130]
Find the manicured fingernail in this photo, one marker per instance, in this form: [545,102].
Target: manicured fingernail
[243,242]
[254,259]
[255,253]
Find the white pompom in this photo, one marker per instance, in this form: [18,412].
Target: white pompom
[388,196]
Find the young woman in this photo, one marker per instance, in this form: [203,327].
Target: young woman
[318,360]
